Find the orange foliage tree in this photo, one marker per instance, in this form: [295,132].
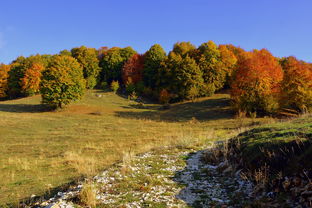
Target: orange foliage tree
[32,78]
[297,84]
[133,69]
[4,69]
[256,82]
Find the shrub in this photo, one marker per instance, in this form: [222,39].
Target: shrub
[193,93]
[256,82]
[104,85]
[139,87]
[115,86]
[62,82]
[164,96]
[147,91]
[4,75]
[130,88]
[133,96]
[207,90]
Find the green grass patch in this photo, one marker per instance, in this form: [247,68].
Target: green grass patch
[284,146]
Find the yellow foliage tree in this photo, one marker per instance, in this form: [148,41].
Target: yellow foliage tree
[4,69]
[297,84]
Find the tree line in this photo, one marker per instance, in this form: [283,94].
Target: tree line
[257,81]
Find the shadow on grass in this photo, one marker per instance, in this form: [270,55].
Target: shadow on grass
[209,109]
[29,202]
[24,108]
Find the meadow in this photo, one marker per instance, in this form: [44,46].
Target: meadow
[43,151]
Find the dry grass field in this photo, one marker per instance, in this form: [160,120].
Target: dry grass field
[41,151]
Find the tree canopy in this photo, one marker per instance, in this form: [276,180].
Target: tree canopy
[62,81]
[87,57]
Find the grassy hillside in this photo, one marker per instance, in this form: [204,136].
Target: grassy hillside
[42,150]
[284,146]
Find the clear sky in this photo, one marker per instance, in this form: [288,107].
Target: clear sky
[48,26]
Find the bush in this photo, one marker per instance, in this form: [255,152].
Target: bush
[193,93]
[139,87]
[164,96]
[130,86]
[115,86]
[133,96]
[147,91]
[104,85]
[62,82]
[207,90]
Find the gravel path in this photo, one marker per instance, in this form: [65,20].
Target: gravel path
[169,177]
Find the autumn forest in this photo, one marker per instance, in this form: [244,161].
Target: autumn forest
[258,82]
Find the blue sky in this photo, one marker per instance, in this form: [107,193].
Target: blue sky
[48,26]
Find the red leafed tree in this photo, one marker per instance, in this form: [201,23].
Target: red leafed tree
[256,82]
[32,78]
[133,69]
[4,69]
[297,84]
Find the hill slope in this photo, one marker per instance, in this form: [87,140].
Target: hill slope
[43,150]
[277,157]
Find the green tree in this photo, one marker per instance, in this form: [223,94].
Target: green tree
[65,53]
[152,65]
[87,57]
[62,81]
[183,48]
[210,63]
[112,61]
[15,75]
[186,76]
